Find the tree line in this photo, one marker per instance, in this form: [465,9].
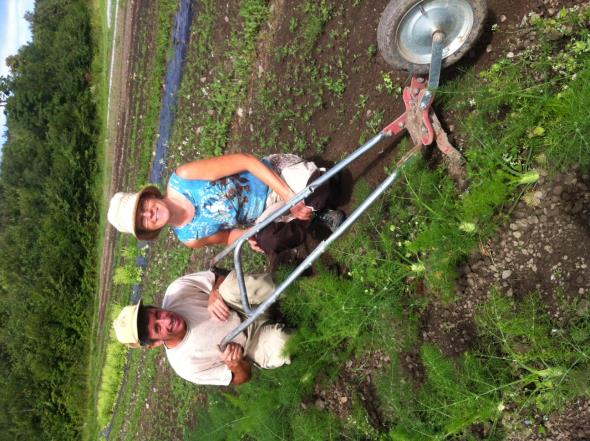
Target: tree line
[48,223]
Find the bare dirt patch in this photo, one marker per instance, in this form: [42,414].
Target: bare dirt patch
[340,119]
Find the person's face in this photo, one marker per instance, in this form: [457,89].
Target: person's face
[164,325]
[152,214]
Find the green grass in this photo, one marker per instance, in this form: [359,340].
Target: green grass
[141,372]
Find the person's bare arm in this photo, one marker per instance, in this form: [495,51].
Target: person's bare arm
[223,238]
[227,165]
[219,238]
[241,368]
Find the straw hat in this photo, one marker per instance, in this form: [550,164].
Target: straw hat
[126,326]
[123,210]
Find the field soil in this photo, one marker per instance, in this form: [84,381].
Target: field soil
[543,246]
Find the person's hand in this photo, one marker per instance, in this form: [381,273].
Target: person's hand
[217,307]
[233,354]
[302,211]
[254,245]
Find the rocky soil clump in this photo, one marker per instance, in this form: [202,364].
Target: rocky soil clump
[572,424]
[543,248]
[354,382]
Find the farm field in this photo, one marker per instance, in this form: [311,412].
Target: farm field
[447,312]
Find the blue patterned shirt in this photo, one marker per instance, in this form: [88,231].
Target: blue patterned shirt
[223,204]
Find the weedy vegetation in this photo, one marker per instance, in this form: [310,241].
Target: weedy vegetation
[148,74]
[400,258]
[523,362]
[215,84]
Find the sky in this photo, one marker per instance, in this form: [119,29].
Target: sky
[14,32]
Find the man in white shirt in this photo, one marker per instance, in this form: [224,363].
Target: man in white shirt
[197,311]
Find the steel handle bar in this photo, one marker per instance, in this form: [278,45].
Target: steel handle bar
[300,196]
[318,251]
[237,245]
[427,99]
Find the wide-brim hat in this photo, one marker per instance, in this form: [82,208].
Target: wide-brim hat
[126,325]
[123,212]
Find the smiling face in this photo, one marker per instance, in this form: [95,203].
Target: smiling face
[152,214]
[165,326]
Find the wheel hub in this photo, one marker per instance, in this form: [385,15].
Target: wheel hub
[453,17]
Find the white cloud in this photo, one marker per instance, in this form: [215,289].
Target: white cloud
[14,32]
[14,29]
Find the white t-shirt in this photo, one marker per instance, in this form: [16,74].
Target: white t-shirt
[197,358]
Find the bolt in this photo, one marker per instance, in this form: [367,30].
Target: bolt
[438,36]
[420,79]
[424,129]
[400,124]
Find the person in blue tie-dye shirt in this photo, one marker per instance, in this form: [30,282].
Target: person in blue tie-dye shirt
[213,201]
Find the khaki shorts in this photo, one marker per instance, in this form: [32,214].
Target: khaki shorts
[266,340]
[296,173]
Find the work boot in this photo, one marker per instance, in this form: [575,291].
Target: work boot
[331,219]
